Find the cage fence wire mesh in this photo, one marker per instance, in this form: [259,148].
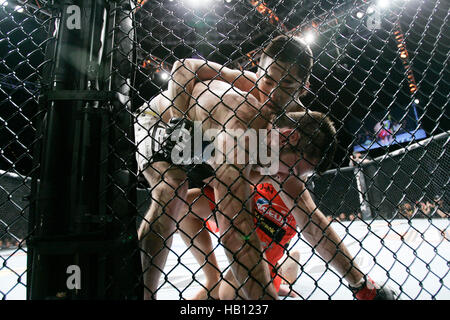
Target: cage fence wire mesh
[379,72]
[24,34]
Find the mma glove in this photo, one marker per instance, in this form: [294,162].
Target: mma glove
[178,135]
[370,290]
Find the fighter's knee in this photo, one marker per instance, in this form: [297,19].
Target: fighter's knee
[227,291]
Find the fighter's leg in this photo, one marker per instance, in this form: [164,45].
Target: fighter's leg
[289,273]
[230,290]
[198,239]
[168,191]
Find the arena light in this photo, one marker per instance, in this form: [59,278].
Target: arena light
[383,3]
[416,101]
[264,10]
[370,10]
[4,3]
[18,9]
[164,75]
[309,37]
[359,14]
[197,3]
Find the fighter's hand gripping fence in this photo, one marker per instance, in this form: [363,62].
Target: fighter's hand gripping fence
[237,69]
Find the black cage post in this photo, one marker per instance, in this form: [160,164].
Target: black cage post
[121,180]
[84,213]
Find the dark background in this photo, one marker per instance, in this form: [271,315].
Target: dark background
[357,73]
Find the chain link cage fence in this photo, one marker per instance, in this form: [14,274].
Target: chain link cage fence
[23,45]
[96,95]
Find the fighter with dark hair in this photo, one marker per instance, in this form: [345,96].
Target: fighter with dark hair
[281,204]
[228,101]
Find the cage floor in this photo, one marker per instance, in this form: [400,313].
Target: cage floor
[418,264]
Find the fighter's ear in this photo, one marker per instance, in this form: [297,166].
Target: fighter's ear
[307,85]
[288,135]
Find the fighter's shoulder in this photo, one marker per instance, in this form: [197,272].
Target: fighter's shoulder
[225,89]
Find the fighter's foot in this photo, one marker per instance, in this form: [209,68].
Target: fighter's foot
[290,267]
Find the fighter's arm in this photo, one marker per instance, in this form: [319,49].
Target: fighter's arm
[316,229]
[185,73]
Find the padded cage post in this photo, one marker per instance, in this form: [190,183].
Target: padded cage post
[74,228]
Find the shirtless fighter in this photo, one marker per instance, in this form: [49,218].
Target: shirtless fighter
[281,205]
[281,77]
[249,102]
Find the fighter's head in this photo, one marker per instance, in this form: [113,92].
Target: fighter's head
[307,142]
[283,72]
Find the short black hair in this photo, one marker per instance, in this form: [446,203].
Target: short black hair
[291,49]
[318,139]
